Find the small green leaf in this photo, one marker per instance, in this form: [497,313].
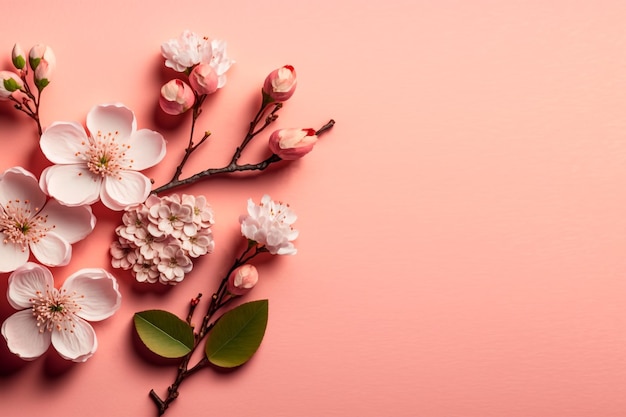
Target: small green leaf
[164,333]
[237,334]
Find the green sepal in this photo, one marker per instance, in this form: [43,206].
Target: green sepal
[267,99]
[11,85]
[164,333]
[237,335]
[19,62]
[41,84]
[34,62]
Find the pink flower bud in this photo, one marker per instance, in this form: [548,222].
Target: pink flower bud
[292,144]
[203,79]
[176,97]
[10,83]
[18,57]
[242,279]
[43,61]
[280,84]
[39,53]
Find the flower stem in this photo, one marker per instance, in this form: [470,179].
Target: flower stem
[197,110]
[219,299]
[25,106]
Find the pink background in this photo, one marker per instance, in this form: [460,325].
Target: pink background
[463,227]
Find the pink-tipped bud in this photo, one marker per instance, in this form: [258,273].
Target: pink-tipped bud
[290,144]
[43,61]
[203,79]
[10,83]
[280,84]
[176,97]
[18,57]
[242,279]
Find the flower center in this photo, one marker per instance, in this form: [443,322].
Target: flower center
[22,225]
[105,156]
[55,310]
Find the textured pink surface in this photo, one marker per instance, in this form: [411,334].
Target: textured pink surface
[463,227]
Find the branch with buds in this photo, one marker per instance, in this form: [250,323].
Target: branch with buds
[178,97]
[15,87]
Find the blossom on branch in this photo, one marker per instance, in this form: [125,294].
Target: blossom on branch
[58,316]
[103,163]
[220,61]
[190,49]
[31,222]
[187,50]
[269,224]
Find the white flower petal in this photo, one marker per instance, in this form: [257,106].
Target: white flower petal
[72,185]
[23,337]
[111,118]
[18,184]
[25,282]
[147,149]
[100,290]
[62,141]
[71,223]
[128,189]
[77,345]
[186,51]
[12,256]
[52,250]
[43,180]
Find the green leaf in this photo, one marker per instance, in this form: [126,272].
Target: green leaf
[237,334]
[164,333]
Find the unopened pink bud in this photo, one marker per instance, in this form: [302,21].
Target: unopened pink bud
[292,144]
[242,279]
[10,83]
[18,57]
[43,61]
[280,84]
[203,79]
[176,97]
[41,52]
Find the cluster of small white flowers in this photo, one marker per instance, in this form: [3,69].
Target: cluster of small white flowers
[159,238]
[270,225]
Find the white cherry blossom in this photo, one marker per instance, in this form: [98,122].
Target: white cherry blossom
[270,225]
[29,222]
[186,51]
[220,61]
[190,49]
[103,163]
[58,316]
